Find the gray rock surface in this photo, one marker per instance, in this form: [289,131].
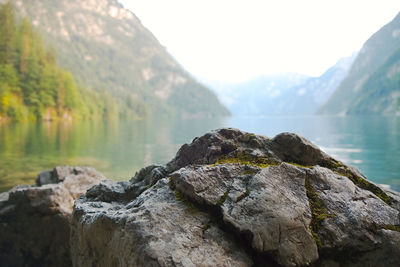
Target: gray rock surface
[232,198]
[154,229]
[35,220]
[270,206]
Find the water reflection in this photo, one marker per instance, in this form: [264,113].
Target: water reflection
[119,148]
[116,148]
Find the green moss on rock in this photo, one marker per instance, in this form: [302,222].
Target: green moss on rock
[390,227]
[365,184]
[299,165]
[243,157]
[179,196]
[250,172]
[223,198]
[318,211]
[185,201]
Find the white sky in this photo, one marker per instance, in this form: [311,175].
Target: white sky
[235,40]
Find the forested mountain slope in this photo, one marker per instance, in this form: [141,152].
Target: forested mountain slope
[32,85]
[107,48]
[381,92]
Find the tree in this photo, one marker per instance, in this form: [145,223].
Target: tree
[7,34]
[31,83]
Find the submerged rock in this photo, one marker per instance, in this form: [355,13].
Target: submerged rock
[232,198]
[35,220]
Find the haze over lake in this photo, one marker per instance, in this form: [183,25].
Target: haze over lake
[120,148]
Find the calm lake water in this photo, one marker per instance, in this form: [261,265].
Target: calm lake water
[120,148]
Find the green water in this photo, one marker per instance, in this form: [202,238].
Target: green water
[116,148]
[120,148]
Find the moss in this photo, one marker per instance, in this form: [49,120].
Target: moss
[390,227]
[179,196]
[250,171]
[185,201]
[243,157]
[316,237]
[299,165]
[252,136]
[335,164]
[223,198]
[341,169]
[318,211]
[364,184]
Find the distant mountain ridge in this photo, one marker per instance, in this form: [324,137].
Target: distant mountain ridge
[314,92]
[282,94]
[257,96]
[107,48]
[367,74]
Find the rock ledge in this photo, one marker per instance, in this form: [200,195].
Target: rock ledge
[232,198]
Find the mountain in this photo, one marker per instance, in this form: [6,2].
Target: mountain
[32,85]
[107,48]
[381,92]
[282,94]
[367,71]
[258,96]
[314,92]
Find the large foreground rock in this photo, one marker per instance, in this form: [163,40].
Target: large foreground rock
[35,220]
[232,198]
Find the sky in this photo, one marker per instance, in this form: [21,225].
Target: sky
[236,40]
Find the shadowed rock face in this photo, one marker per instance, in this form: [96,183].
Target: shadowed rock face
[232,198]
[35,220]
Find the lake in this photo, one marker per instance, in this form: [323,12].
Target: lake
[120,148]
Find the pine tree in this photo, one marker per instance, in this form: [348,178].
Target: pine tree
[7,34]
[31,83]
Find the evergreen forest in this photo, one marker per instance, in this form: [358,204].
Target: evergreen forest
[33,86]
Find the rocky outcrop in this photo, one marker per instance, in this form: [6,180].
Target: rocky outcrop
[35,220]
[232,198]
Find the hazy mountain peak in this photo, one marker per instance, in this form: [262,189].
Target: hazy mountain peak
[282,93]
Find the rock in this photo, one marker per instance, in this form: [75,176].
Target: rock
[232,198]
[359,228]
[291,147]
[155,229]
[269,207]
[35,220]
[216,144]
